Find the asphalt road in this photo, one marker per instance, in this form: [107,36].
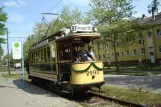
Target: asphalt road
[150,83]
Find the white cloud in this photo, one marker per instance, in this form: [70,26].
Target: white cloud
[22,3]
[11,4]
[15,4]
[15,18]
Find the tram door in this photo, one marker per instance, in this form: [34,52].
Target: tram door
[64,59]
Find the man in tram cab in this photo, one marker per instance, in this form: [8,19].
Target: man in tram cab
[83,54]
[90,51]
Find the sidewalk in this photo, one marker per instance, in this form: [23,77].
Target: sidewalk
[11,95]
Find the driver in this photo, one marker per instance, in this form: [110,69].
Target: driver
[83,54]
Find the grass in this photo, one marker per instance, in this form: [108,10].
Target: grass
[5,69]
[133,70]
[138,95]
[15,76]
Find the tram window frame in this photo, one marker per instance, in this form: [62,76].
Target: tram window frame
[66,56]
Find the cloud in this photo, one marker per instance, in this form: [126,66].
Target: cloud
[19,3]
[22,3]
[11,4]
[15,18]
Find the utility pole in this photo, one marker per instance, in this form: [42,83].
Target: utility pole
[8,62]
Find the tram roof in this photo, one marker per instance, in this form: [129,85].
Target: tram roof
[80,35]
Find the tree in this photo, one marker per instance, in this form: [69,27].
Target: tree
[67,17]
[153,7]
[3,19]
[115,21]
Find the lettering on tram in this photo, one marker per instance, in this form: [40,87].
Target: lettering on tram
[92,72]
[67,60]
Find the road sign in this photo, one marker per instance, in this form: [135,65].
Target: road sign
[16,50]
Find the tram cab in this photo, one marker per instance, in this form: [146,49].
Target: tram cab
[60,65]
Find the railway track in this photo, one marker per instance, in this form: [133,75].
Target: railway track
[91,99]
[118,101]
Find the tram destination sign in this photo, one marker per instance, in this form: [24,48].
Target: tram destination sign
[16,50]
[81,28]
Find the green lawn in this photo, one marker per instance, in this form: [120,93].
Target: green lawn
[5,69]
[15,76]
[133,70]
[137,95]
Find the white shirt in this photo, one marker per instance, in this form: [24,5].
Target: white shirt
[92,54]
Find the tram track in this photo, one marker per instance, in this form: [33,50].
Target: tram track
[91,98]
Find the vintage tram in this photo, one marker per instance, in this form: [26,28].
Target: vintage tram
[51,59]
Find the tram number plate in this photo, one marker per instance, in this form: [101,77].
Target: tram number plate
[92,72]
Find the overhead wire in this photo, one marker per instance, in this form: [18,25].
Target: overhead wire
[48,11]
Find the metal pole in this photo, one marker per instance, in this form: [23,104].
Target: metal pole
[8,62]
[23,76]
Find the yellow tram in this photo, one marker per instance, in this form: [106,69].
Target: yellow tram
[52,59]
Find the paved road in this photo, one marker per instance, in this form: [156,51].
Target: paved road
[149,83]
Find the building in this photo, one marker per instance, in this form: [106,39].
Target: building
[148,48]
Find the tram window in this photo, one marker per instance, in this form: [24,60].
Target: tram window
[52,53]
[45,56]
[42,55]
[64,52]
[39,56]
[48,54]
[36,55]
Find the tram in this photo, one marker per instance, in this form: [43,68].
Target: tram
[51,59]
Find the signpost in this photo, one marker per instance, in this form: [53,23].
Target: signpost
[17,49]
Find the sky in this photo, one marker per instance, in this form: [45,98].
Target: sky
[23,14]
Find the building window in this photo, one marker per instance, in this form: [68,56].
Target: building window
[122,53]
[158,32]
[127,53]
[142,51]
[103,55]
[141,38]
[159,49]
[149,34]
[112,55]
[134,52]
[117,54]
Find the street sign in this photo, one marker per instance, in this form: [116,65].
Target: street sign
[16,50]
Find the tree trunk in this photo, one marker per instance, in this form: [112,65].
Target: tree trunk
[116,59]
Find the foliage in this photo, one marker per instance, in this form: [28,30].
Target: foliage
[12,61]
[153,7]
[67,17]
[3,19]
[114,19]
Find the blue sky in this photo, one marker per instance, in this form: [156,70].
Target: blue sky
[23,14]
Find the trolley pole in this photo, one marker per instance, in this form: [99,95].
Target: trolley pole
[8,62]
